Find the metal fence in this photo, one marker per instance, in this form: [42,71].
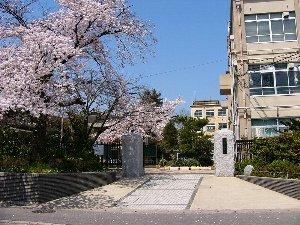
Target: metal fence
[243,149]
[113,155]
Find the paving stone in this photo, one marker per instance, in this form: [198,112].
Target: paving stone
[163,192]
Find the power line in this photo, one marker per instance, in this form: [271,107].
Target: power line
[183,68]
[281,59]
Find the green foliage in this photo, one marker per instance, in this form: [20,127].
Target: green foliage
[13,164]
[185,135]
[162,162]
[41,168]
[284,147]
[293,125]
[256,163]
[275,156]
[170,140]
[151,96]
[189,162]
[15,142]
[66,155]
[192,141]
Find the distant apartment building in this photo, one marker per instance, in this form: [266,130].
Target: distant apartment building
[263,80]
[213,111]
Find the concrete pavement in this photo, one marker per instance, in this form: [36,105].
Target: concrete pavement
[163,192]
[230,193]
[119,217]
[97,198]
[176,191]
[217,200]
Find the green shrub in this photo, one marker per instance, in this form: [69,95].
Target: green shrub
[275,156]
[257,164]
[13,164]
[41,168]
[80,165]
[286,146]
[184,162]
[162,162]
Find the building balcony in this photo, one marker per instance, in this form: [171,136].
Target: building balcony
[225,84]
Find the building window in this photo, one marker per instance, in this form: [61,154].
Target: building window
[274,79]
[222,126]
[270,27]
[267,127]
[198,113]
[222,112]
[211,127]
[210,113]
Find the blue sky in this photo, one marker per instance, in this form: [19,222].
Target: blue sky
[189,32]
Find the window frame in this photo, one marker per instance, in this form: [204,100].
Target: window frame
[269,20]
[210,110]
[276,127]
[223,126]
[196,111]
[271,68]
[222,110]
[209,126]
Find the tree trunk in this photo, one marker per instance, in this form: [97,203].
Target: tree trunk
[40,138]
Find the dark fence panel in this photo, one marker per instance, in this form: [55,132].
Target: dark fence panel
[113,155]
[243,149]
[150,154]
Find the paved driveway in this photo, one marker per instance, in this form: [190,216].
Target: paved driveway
[166,192]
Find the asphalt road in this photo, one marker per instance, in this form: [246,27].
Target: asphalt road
[120,217]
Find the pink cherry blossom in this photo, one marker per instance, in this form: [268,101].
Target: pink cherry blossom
[42,59]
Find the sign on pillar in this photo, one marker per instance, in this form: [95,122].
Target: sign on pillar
[224,153]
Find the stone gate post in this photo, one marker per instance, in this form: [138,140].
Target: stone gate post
[224,153]
[132,155]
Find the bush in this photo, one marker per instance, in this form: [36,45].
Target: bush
[162,162]
[275,156]
[278,168]
[80,164]
[13,164]
[15,143]
[284,147]
[184,162]
[41,168]
[255,162]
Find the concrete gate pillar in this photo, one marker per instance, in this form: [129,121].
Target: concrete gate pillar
[132,155]
[224,153]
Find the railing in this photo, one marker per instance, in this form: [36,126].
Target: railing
[113,155]
[243,149]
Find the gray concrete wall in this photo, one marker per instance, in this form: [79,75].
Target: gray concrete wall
[289,187]
[21,189]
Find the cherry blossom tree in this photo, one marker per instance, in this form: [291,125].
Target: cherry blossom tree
[44,62]
[113,106]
